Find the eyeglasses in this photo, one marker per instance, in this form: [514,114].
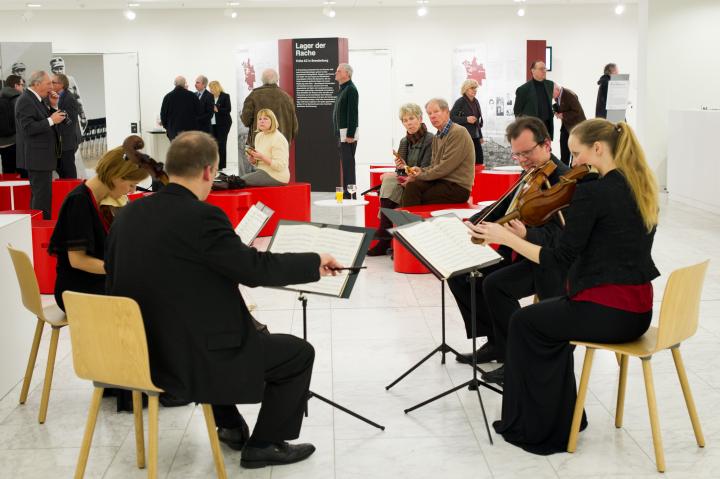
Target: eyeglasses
[524,154]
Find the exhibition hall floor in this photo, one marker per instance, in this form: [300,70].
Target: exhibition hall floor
[362,343]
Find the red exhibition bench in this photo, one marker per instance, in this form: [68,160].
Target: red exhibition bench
[235,203]
[492,184]
[290,202]
[60,189]
[43,264]
[21,194]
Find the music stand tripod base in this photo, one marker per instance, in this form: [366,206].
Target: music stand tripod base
[311,394]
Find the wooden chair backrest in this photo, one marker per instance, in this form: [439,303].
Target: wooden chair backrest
[29,289]
[108,340]
[680,307]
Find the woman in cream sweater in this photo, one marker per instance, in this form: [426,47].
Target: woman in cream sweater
[270,155]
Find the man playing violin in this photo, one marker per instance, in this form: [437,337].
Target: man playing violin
[502,285]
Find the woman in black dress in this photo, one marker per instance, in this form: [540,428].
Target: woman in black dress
[466,112]
[78,240]
[222,120]
[606,246]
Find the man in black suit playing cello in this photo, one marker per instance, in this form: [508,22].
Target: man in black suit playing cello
[202,343]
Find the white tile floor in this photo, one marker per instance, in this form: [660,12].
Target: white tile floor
[362,344]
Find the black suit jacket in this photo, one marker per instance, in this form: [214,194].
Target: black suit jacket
[526,100]
[223,119]
[207,110]
[36,140]
[69,134]
[180,259]
[548,280]
[179,112]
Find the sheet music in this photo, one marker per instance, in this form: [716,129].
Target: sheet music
[343,245]
[253,221]
[446,245]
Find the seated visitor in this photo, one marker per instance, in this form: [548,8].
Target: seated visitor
[271,153]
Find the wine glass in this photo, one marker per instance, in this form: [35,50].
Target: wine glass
[352,189]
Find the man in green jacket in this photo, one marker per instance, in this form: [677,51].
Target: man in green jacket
[345,123]
[534,98]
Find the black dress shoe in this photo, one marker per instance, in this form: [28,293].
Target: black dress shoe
[275,455]
[496,376]
[235,437]
[380,249]
[484,355]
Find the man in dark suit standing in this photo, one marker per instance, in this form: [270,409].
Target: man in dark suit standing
[345,123]
[68,130]
[567,108]
[203,345]
[38,146]
[180,110]
[534,97]
[207,104]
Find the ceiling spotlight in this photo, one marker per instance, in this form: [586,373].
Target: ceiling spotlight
[129,14]
[619,9]
[422,8]
[521,12]
[133,5]
[33,5]
[233,4]
[328,9]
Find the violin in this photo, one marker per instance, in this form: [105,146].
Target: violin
[536,206]
[131,147]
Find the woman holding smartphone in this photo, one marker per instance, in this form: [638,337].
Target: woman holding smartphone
[271,153]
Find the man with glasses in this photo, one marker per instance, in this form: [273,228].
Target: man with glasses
[534,98]
[501,286]
[207,104]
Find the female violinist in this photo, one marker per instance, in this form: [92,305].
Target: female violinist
[606,245]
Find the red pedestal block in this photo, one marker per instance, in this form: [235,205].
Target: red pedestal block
[60,189]
[21,195]
[235,203]
[290,202]
[372,209]
[9,176]
[34,214]
[43,263]
[491,185]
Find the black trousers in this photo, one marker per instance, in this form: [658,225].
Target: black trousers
[347,158]
[8,159]
[220,133]
[550,127]
[460,289]
[479,158]
[421,192]
[41,191]
[539,391]
[564,149]
[288,369]
[66,165]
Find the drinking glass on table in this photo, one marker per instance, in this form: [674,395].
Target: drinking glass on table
[339,194]
[352,189]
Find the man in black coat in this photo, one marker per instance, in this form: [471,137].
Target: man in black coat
[38,146]
[68,130]
[203,345]
[534,98]
[180,110]
[601,102]
[207,104]
[502,285]
[14,86]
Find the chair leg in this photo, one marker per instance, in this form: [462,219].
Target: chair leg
[139,439]
[31,360]
[682,375]
[214,443]
[89,431]
[652,408]
[618,357]
[620,405]
[580,401]
[49,374]
[153,436]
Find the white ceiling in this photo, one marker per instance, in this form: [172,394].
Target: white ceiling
[176,4]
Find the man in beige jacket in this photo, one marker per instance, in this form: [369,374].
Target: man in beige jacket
[450,176]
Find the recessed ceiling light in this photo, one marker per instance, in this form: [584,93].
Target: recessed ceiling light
[521,12]
[619,9]
[233,4]
[130,15]
[33,5]
[133,5]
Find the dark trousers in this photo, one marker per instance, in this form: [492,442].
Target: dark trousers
[460,289]
[565,156]
[479,158]
[550,127]
[8,159]
[41,191]
[66,165]
[347,158]
[220,133]
[421,192]
[385,223]
[288,368]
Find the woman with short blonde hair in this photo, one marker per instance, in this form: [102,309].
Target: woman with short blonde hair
[221,120]
[466,112]
[270,155]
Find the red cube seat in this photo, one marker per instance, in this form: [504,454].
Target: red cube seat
[235,203]
[44,264]
[290,202]
[60,189]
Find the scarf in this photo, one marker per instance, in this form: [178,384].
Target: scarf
[418,136]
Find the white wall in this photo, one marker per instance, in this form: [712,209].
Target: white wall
[189,42]
[682,68]
[88,71]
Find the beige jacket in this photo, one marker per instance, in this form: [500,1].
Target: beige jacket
[453,158]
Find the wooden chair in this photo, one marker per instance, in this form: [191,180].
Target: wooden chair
[109,348]
[678,321]
[50,314]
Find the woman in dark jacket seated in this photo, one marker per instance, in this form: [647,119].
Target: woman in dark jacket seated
[466,112]
[415,150]
[606,247]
